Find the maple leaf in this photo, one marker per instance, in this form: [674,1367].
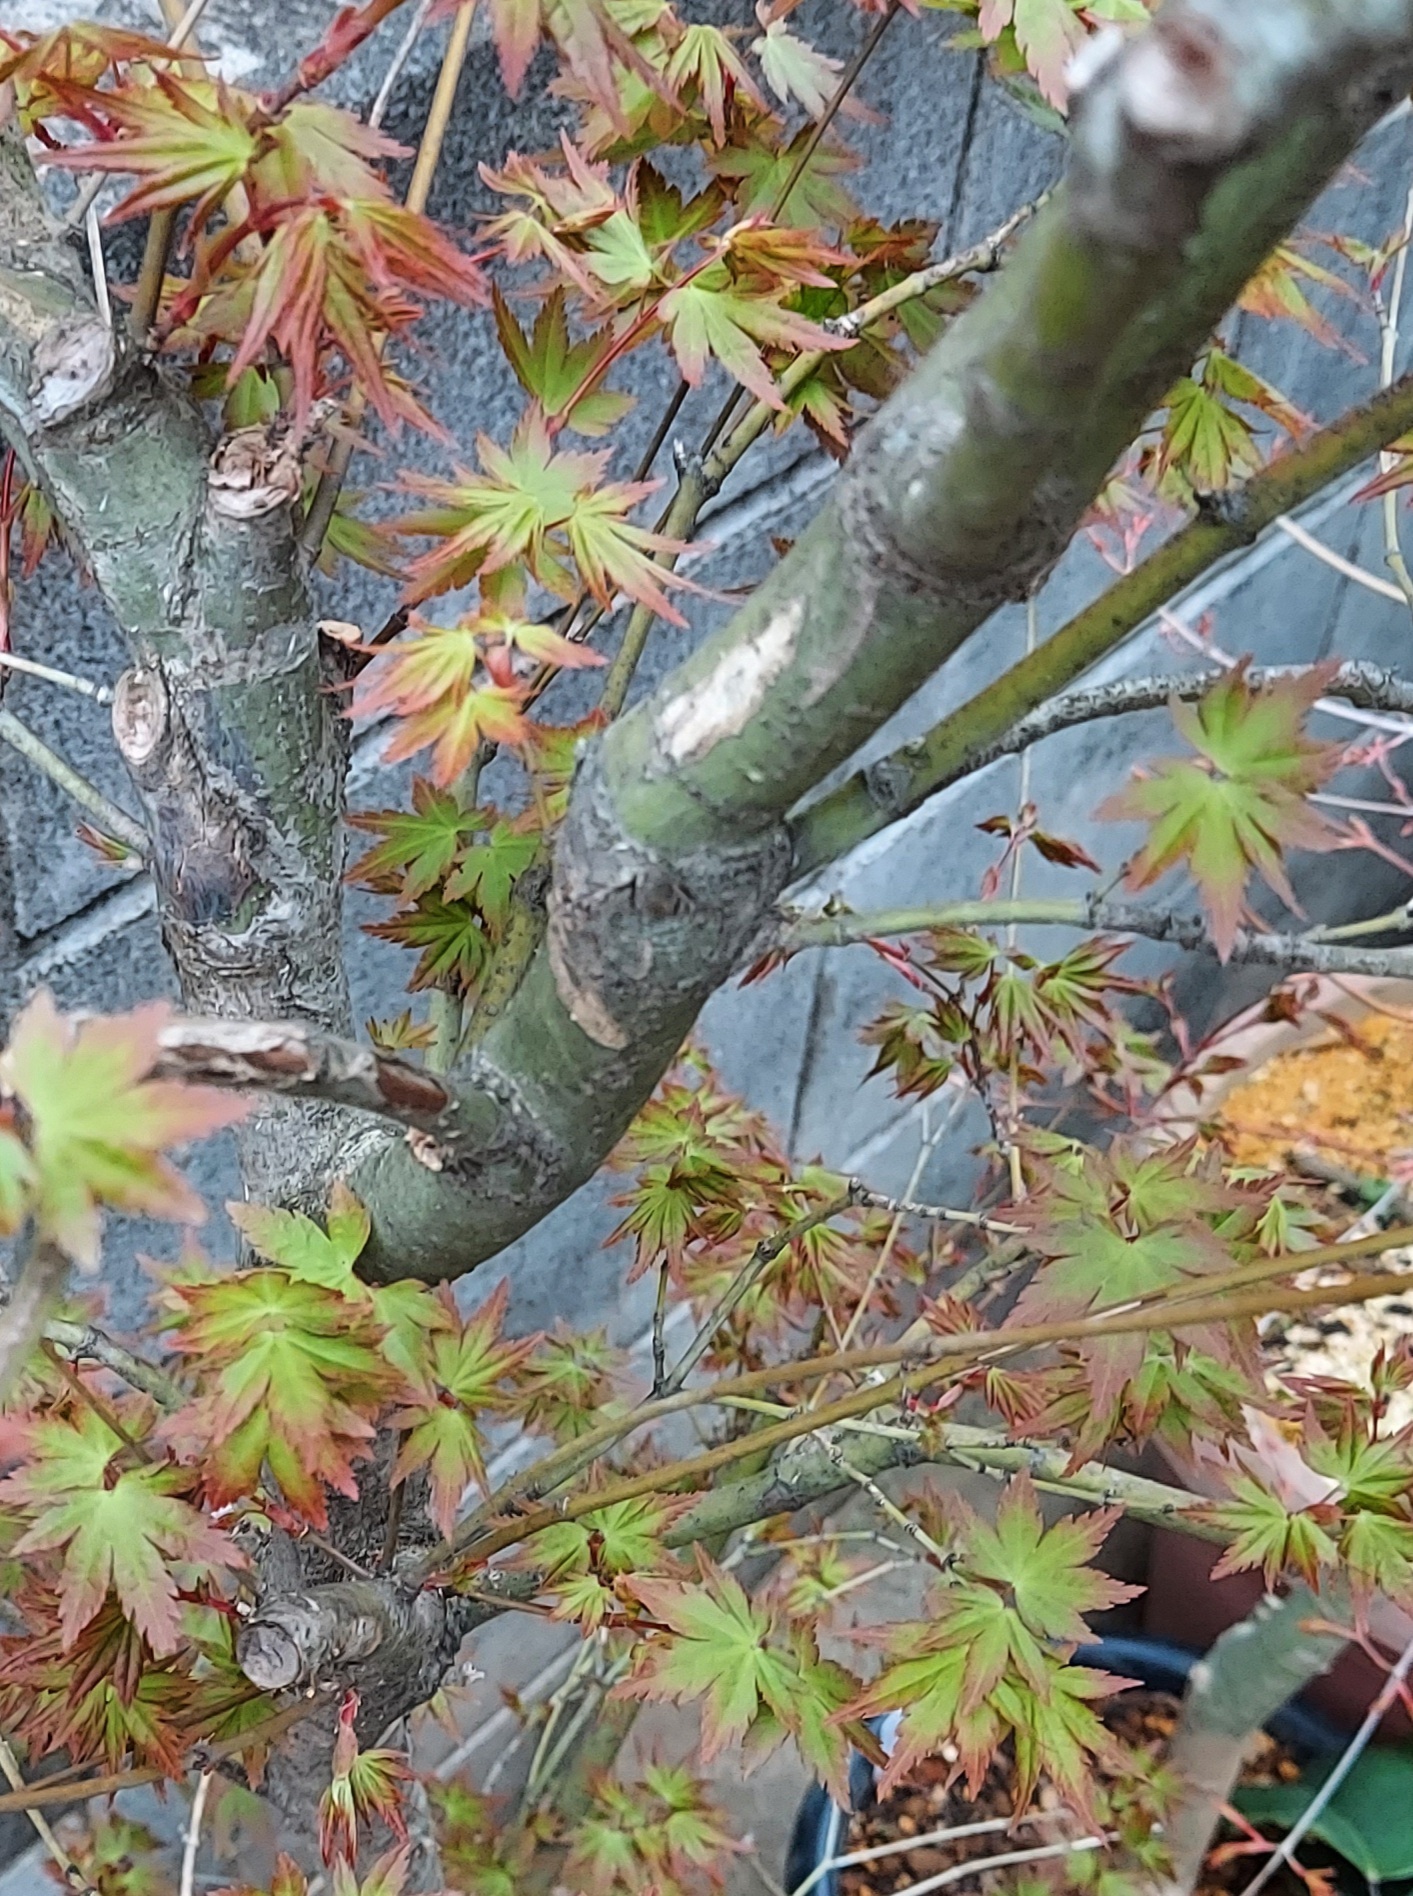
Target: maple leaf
[730,1653]
[487,871]
[710,315]
[402,1033]
[1241,802]
[1278,290]
[993,1661]
[96,1125]
[757,168]
[537,506]
[1376,1550]
[568,1383]
[468,1366]
[190,140]
[1116,1226]
[705,61]
[793,68]
[364,1786]
[1048,33]
[129,1531]
[292,1373]
[659,1834]
[296,1243]
[338,272]
[561,374]
[48,68]
[580,1560]
[1267,1533]
[451,935]
[419,845]
[917,1044]
[437,684]
[101,1697]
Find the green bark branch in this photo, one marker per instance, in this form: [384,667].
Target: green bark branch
[967,739]
[1248,1675]
[1304,952]
[1196,147]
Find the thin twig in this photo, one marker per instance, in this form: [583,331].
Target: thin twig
[960,1872]
[68,1869]
[927,1145]
[117,823]
[397,64]
[1349,1757]
[934,1214]
[1388,325]
[1385,588]
[953,1833]
[750,1273]
[937,1555]
[97,267]
[429,151]
[660,1329]
[85,1344]
[11,661]
[192,1842]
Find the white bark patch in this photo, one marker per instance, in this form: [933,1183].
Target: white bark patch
[139,714]
[1178,85]
[725,702]
[73,363]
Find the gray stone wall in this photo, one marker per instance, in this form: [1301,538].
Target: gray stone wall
[947,145]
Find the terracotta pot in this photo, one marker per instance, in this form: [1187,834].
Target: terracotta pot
[1183,1603]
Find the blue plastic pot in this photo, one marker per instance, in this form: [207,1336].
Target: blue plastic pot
[821,1825]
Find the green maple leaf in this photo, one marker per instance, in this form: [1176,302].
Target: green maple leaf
[555,370]
[1377,1552]
[728,1652]
[757,168]
[419,845]
[705,62]
[568,1382]
[488,869]
[1045,1571]
[127,1531]
[297,1244]
[1241,802]
[710,315]
[451,935]
[1269,1535]
[1115,1226]
[97,1125]
[997,1649]
[581,1559]
[190,141]
[466,1369]
[292,1374]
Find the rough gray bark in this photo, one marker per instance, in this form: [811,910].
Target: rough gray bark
[225,718]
